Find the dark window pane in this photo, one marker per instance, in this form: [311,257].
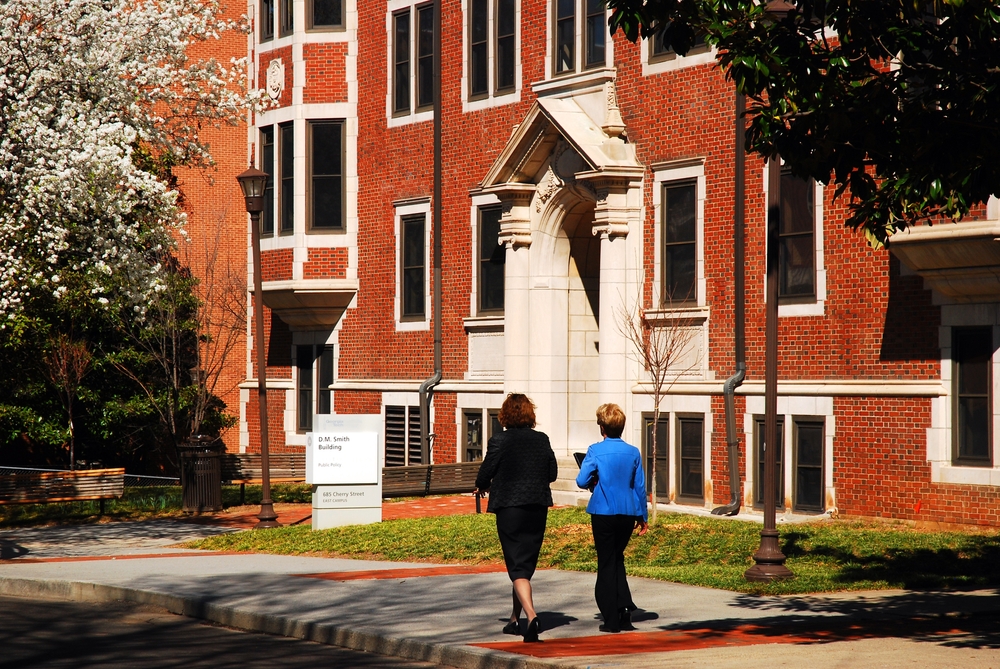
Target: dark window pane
[473,435]
[287,178]
[567,9]
[796,204]
[401,58]
[413,267]
[597,31]
[779,487]
[479,38]
[680,213]
[328,13]
[680,248]
[267,164]
[809,466]
[286,17]
[327,156]
[425,57]
[809,489]
[662,448]
[325,374]
[327,182]
[505,44]
[491,261]
[680,273]
[266,20]
[797,262]
[327,202]
[972,350]
[691,470]
[304,363]
[566,36]
[811,445]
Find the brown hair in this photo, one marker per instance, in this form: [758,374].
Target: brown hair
[612,419]
[517,411]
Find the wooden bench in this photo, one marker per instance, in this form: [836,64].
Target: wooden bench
[244,468]
[417,480]
[69,486]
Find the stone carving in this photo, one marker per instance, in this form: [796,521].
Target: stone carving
[275,79]
[548,186]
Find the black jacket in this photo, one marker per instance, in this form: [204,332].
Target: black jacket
[518,468]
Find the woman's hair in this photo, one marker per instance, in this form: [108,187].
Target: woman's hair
[517,411]
[612,419]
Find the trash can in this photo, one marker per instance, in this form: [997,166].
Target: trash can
[201,474]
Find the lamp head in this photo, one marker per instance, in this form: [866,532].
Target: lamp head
[253,182]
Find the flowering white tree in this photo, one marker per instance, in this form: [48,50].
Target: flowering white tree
[97,98]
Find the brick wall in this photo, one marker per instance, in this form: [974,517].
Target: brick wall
[326,72]
[326,264]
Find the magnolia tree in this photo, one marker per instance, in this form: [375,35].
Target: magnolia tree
[97,97]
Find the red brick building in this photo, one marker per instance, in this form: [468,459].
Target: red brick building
[580,174]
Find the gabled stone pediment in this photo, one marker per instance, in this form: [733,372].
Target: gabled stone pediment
[549,121]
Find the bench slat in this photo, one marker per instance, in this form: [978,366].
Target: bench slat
[43,487]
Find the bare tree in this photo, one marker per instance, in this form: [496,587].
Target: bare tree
[66,363]
[658,344]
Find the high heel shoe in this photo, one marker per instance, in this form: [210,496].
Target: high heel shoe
[512,628]
[531,634]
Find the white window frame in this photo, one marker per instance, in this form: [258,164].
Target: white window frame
[492,98]
[790,409]
[393,121]
[817,307]
[580,69]
[685,170]
[650,68]
[403,210]
[940,434]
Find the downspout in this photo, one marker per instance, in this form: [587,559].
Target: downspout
[427,387]
[739,295]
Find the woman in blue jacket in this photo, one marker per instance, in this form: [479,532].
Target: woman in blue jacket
[612,469]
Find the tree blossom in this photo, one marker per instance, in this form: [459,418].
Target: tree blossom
[98,98]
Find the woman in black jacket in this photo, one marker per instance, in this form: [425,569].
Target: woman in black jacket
[517,470]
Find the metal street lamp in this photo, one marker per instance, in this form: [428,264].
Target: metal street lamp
[253,182]
[769,558]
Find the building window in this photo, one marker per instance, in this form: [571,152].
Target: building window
[405,50]
[679,243]
[325,14]
[690,440]
[808,451]
[326,180]
[491,262]
[594,34]
[412,268]
[315,376]
[972,351]
[266,20]
[492,38]
[662,448]
[286,176]
[287,26]
[267,164]
[479,426]
[758,483]
[402,436]
[659,52]
[796,234]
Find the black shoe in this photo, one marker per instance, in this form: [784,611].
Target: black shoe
[606,628]
[625,620]
[512,628]
[531,634]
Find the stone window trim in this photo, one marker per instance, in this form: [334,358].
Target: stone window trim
[654,64]
[579,41]
[495,95]
[679,172]
[405,209]
[415,113]
[339,24]
[816,305]
[479,202]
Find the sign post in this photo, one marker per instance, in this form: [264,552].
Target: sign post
[344,467]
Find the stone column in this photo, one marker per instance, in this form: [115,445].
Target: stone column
[616,209]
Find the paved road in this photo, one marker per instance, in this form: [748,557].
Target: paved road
[120,635]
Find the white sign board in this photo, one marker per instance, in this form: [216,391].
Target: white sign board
[342,458]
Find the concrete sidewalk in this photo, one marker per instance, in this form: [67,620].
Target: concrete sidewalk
[453,615]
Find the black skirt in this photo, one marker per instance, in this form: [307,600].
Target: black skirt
[521,530]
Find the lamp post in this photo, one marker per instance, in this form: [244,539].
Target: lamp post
[253,182]
[770,561]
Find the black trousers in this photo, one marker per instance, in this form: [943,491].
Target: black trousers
[611,536]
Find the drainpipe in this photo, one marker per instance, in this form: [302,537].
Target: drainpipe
[739,295]
[427,387]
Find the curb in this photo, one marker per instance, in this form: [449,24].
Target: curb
[463,657]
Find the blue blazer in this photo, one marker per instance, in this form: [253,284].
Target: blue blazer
[621,482]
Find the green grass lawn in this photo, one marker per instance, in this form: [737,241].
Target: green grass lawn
[825,556]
